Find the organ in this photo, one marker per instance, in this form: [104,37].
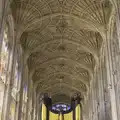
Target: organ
[59,112]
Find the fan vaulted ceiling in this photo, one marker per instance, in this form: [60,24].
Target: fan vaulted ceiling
[63,40]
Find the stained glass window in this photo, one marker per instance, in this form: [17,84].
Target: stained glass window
[3,66]
[24,101]
[14,93]
[16,76]
[60,107]
[16,82]
[4,57]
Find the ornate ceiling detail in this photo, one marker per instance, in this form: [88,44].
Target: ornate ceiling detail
[28,14]
[63,39]
[61,97]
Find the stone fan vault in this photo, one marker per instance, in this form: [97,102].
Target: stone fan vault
[61,48]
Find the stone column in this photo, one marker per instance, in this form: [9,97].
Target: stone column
[90,104]
[110,70]
[28,95]
[30,102]
[100,82]
[27,83]
[116,57]
[4,5]
[38,103]
[2,20]
[95,81]
[34,112]
[1,38]
[33,102]
[107,103]
[23,73]
[2,13]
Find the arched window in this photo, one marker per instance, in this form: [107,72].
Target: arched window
[4,56]
[14,93]
[15,88]
[24,101]
[16,76]
[61,107]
